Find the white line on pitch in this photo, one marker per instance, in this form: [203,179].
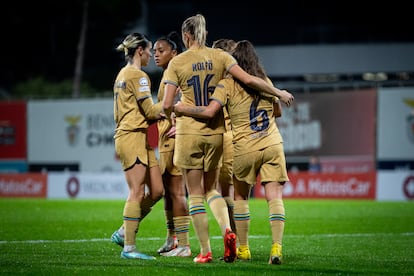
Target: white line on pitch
[219,237]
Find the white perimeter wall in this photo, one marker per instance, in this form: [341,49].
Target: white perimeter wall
[391,186]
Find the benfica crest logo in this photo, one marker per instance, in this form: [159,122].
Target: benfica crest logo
[410,119]
[72,131]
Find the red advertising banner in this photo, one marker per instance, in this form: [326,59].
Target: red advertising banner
[23,185]
[13,130]
[304,185]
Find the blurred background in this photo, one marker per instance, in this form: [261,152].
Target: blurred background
[350,65]
[49,44]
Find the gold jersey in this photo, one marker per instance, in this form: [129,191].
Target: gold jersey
[132,85]
[254,127]
[197,72]
[165,143]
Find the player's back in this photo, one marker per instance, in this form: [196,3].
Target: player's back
[253,123]
[197,72]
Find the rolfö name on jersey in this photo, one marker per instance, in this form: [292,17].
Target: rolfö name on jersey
[201,66]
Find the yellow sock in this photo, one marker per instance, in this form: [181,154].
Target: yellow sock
[182,228]
[219,209]
[131,214]
[277,219]
[200,222]
[242,220]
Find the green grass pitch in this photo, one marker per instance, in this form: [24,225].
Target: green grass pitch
[322,237]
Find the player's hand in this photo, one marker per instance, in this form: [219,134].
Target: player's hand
[286,97]
[177,108]
[171,133]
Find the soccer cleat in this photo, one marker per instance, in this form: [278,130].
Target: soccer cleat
[117,239]
[136,255]
[169,245]
[208,258]
[243,252]
[276,254]
[229,246]
[179,251]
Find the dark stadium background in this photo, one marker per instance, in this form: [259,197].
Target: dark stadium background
[40,38]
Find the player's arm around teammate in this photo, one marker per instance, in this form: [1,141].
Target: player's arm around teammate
[255,134]
[199,144]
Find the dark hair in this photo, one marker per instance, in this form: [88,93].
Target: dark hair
[247,58]
[131,43]
[175,41]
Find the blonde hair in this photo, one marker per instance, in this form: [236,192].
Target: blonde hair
[196,27]
[131,43]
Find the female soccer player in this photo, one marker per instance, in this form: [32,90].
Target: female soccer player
[258,148]
[175,201]
[133,108]
[199,143]
[225,183]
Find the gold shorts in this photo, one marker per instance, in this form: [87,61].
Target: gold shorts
[133,145]
[270,163]
[167,165]
[226,171]
[200,152]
